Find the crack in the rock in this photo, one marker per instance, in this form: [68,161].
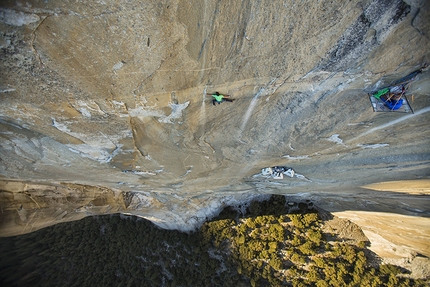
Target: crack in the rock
[34,38]
[412,23]
[105,13]
[139,86]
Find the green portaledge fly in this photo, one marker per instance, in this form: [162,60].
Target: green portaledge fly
[381,93]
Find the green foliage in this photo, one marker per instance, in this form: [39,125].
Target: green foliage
[319,261]
[296,241]
[297,220]
[276,263]
[362,244]
[273,246]
[298,259]
[310,219]
[249,223]
[387,269]
[321,283]
[308,248]
[313,274]
[315,235]
[349,253]
[261,250]
[306,220]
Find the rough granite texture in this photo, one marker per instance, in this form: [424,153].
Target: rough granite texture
[103,110]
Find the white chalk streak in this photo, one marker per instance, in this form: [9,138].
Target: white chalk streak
[202,118]
[391,123]
[295,157]
[373,146]
[251,108]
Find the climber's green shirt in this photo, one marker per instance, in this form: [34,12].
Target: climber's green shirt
[218,98]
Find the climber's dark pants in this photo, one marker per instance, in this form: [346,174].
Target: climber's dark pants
[224,99]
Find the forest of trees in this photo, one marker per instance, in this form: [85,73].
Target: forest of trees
[267,246]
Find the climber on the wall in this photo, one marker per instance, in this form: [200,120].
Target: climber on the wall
[219,98]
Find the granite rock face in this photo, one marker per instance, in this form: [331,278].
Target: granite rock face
[104,107]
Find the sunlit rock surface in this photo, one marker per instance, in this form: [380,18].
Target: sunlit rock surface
[103,110]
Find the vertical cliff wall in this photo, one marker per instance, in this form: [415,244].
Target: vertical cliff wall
[104,106]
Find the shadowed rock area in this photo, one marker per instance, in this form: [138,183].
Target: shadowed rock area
[104,110]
